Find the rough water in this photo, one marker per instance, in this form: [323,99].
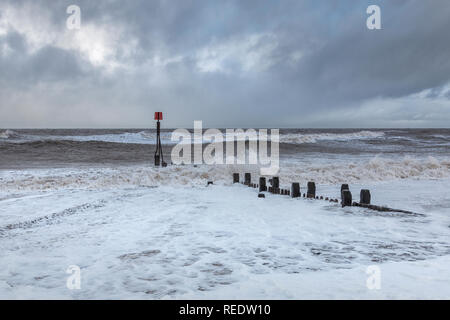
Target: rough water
[91,147]
[92,198]
[325,156]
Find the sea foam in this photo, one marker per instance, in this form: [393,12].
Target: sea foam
[375,169]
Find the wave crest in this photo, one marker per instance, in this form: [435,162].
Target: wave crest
[8,134]
[313,138]
[376,169]
[147,137]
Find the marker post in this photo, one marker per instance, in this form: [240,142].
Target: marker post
[159,160]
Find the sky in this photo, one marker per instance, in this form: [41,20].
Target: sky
[229,63]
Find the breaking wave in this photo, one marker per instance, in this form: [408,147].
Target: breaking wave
[375,169]
[313,138]
[142,137]
[8,134]
[293,138]
[147,137]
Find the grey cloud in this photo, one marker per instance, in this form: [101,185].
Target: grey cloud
[323,60]
[49,64]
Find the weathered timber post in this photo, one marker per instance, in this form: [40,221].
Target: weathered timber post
[276,182]
[248,178]
[346,198]
[311,193]
[295,190]
[364,196]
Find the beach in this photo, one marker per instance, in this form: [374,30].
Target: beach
[94,200]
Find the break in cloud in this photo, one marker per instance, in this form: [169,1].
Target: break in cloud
[260,63]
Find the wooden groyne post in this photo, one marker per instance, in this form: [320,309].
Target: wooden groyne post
[247,179]
[346,195]
[262,184]
[295,190]
[346,198]
[276,182]
[311,193]
[364,196]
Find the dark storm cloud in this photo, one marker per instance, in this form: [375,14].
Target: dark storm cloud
[410,54]
[48,64]
[230,63]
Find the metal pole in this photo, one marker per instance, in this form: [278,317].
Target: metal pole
[158,153]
